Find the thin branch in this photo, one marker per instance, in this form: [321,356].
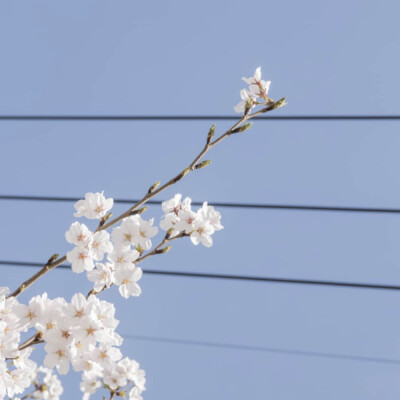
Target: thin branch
[150,194]
[157,249]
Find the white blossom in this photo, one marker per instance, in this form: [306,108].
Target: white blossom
[248,99]
[123,258]
[80,259]
[126,278]
[102,276]
[100,245]
[94,206]
[78,234]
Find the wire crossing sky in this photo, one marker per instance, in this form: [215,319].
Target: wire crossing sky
[196,117]
[217,204]
[357,285]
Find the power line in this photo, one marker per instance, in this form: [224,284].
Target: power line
[235,277]
[193,117]
[218,204]
[263,349]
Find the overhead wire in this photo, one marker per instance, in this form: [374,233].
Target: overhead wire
[218,204]
[355,285]
[194,117]
[263,349]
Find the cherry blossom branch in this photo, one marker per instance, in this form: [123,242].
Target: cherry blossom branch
[158,250]
[239,126]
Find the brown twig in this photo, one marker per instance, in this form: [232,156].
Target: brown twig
[152,193]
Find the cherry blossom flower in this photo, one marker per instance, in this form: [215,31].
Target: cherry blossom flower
[202,233]
[78,234]
[57,356]
[186,221]
[257,86]
[80,259]
[210,214]
[126,278]
[248,100]
[102,276]
[135,394]
[94,206]
[144,231]
[100,245]
[123,258]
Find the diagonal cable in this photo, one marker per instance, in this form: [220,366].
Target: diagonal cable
[216,204]
[354,285]
[276,350]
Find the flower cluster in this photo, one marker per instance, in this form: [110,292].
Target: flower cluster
[258,89]
[17,371]
[92,247]
[199,225]
[129,240]
[82,334]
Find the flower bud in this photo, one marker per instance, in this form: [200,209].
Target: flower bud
[210,134]
[242,128]
[154,187]
[203,164]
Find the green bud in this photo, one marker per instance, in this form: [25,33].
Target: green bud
[170,231]
[154,187]
[182,174]
[203,164]
[210,134]
[279,103]
[140,211]
[242,128]
[105,219]
[164,250]
[52,259]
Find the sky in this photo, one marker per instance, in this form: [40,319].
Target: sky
[176,57]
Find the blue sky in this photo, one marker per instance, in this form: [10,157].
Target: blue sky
[185,57]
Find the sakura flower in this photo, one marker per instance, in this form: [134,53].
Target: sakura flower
[89,385]
[90,331]
[210,214]
[21,379]
[122,258]
[78,234]
[115,377]
[134,394]
[126,278]
[257,86]
[175,205]
[186,221]
[102,276]
[144,230]
[52,389]
[100,245]
[106,355]
[78,309]
[57,356]
[169,222]
[248,100]
[94,206]
[254,80]
[202,233]
[124,236]
[80,259]
[105,312]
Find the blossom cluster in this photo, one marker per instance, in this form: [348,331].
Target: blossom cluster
[92,247]
[128,241]
[199,225]
[258,89]
[80,333]
[17,371]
